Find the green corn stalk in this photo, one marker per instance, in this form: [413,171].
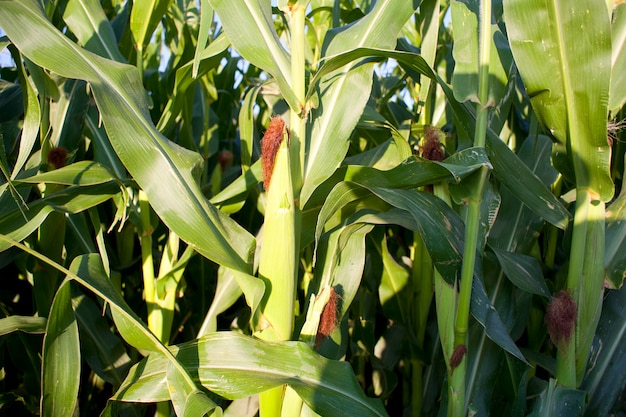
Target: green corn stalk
[278,264]
[572,103]
[457,386]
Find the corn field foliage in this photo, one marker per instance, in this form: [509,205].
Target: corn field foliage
[444,234]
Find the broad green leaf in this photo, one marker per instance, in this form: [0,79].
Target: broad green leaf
[144,18]
[188,404]
[226,293]
[605,379]
[507,168]
[67,114]
[252,287]
[517,226]
[103,152]
[87,21]
[465,16]
[615,243]
[88,271]
[236,366]
[387,155]
[558,401]
[163,169]
[80,173]
[617,96]
[412,173]
[429,33]
[25,324]
[396,289]
[18,225]
[488,317]
[103,350]
[251,30]
[563,53]
[230,199]
[344,92]
[61,357]
[524,184]
[524,271]
[429,216]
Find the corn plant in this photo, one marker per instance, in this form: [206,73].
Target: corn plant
[312,207]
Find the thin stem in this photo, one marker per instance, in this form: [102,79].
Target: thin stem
[457,400]
[483,73]
[423,281]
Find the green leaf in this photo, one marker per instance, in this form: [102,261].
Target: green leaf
[27,324]
[422,213]
[246,126]
[488,317]
[32,115]
[345,91]
[103,350]
[61,358]
[605,379]
[617,96]
[412,173]
[206,20]
[230,199]
[340,261]
[80,173]
[251,30]
[524,184]
[615,242]
[567,77]
[144,18]
[86,19]
[465,16]
[89,272]
[524,271]
[18,225]
[507,168]
[163,169]
[184,80]
[395,290]
[188,404]
[558,401]
[236,366]
[227,292]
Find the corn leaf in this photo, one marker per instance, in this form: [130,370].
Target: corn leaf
[61,358]
[163,169]
[564,56]
[346,90]
[219,360]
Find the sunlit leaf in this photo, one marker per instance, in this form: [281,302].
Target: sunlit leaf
[217,360]
[163,169]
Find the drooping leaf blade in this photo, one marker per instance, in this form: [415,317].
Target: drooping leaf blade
[217,360]
[251,31]
[163,169]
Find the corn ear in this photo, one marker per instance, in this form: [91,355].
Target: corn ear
[277,264]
